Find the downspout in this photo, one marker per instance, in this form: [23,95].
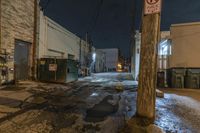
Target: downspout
[34,67]
[0,25]
[0,35]
[80,54]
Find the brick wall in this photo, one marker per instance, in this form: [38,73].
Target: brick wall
[17,22]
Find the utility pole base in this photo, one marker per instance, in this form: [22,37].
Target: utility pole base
[135,125]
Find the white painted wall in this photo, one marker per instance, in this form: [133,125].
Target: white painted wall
[55,40]
[135,58]
[135,64]
[42,48]
[137,54]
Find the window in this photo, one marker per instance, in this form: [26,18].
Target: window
[165,47]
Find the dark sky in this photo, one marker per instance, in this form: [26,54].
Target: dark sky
[108,22]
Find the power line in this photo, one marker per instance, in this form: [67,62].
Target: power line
[47,4]
[96,17]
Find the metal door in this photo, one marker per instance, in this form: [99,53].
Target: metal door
[21,60]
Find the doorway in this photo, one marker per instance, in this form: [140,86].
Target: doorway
[21,60]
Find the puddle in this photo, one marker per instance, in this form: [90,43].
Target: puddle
[101,110]
[63,120]
[10,102]
[91,128]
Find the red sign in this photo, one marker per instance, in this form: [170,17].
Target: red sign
[152,6]
[52,67]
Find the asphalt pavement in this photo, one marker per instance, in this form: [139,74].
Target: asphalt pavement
[100,103]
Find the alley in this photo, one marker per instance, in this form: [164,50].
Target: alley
[96,103]
[99,103]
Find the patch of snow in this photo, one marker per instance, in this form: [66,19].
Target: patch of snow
[188,102]
[129,83]
[99,80]
[85,78]
[94,94]
[123,83]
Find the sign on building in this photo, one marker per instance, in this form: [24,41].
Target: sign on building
[152,6]
[52,67]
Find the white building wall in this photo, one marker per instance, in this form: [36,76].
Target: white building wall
[42,48]
[164,51]
[137,54]
[135,58]
[55,40]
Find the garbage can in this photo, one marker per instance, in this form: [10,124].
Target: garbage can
[160,79]
[192,79]
[57,70]
[178,77]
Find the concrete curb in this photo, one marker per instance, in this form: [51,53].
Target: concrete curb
[159,93]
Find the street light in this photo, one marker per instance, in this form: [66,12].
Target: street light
[94,57]
[119,67]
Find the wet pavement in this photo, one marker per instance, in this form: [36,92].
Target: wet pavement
[100,103]
[88,105]
[178,114]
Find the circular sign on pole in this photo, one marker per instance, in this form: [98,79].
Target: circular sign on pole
[152,6]
[151,2]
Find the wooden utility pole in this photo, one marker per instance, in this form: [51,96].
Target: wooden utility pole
[148,60]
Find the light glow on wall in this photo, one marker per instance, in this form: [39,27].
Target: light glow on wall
[94,57]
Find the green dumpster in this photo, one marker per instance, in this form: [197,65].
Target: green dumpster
[72,71]
[57,70]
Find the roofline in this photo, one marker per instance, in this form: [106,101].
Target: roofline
[58,26]
[185,24]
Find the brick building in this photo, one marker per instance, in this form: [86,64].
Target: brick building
[16,39]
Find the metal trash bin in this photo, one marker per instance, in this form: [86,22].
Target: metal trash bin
[57,70]
[160,79]
[192,79]
[178,77]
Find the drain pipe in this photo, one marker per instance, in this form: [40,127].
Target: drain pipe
[34,67]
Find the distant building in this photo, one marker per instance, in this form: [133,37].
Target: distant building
[112,58]
[100,61]
[127,65]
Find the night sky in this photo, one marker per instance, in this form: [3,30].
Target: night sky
[108,22]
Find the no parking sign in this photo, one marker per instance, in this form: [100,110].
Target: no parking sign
[152,6]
